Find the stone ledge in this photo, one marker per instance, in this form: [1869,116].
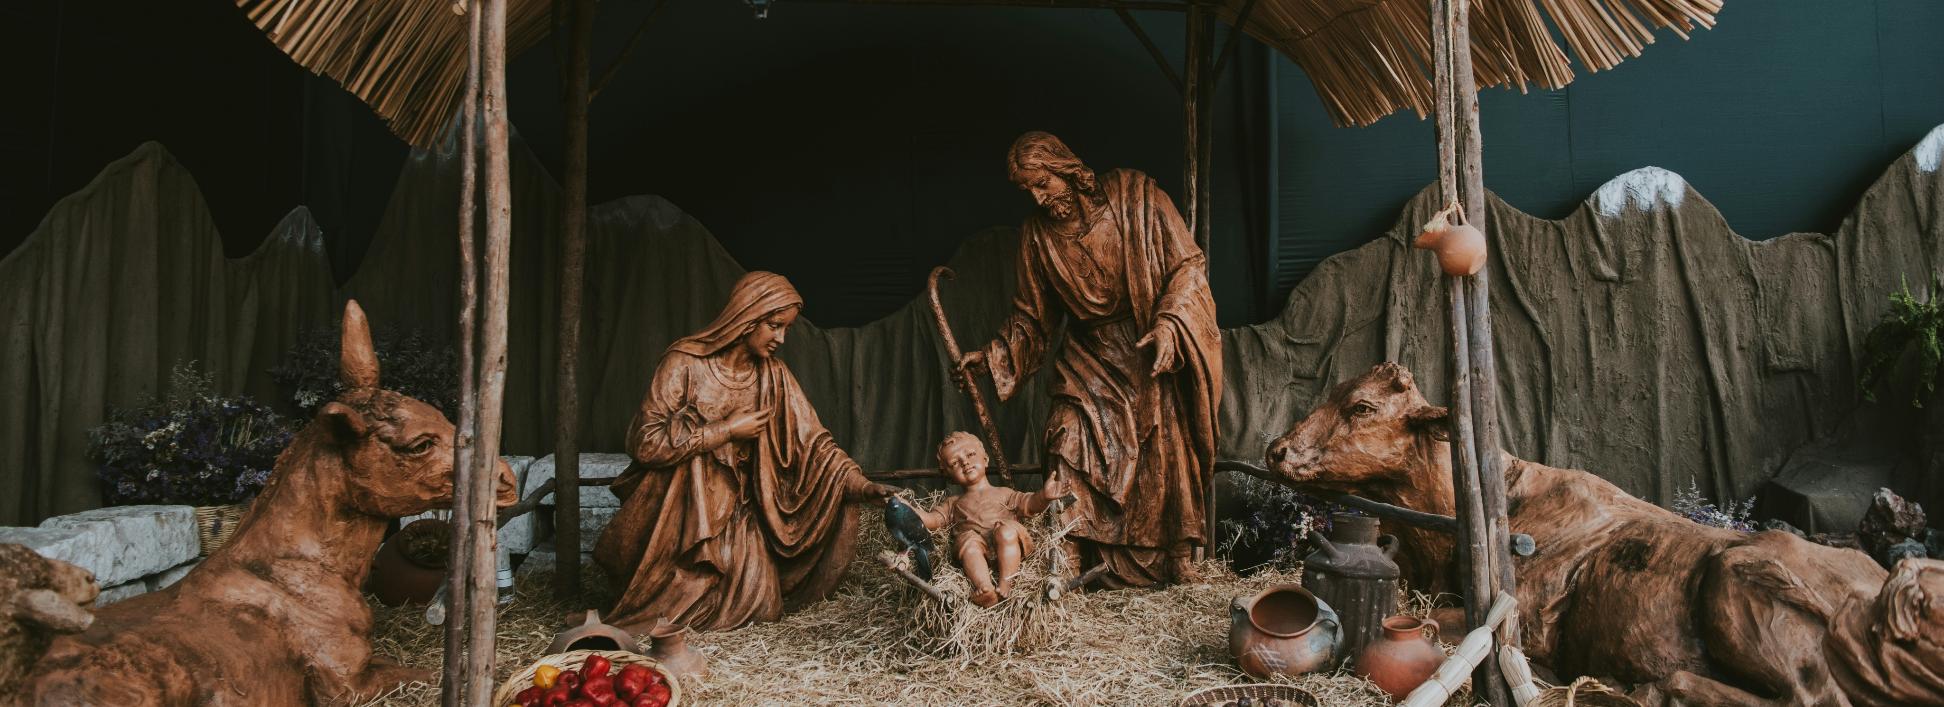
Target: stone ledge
[119,544]
[592,466]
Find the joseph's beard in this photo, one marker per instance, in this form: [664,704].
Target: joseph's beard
[1061,206]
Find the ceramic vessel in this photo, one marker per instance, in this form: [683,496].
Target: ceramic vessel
[1460,247]
[593,635]
[672,651]
[409,568]
[1352,572]
[1403,658]
[1285,630]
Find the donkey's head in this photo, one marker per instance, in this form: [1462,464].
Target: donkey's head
[397,451]
[1373,429]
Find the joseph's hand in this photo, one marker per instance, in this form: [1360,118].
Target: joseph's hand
[1162,340]
[969,365]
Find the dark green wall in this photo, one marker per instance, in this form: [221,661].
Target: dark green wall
[1782,115]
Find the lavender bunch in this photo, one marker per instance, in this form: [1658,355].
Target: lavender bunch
[1271,521]
[192,447]
[1696,507]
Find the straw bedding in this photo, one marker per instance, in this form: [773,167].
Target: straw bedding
[877,641]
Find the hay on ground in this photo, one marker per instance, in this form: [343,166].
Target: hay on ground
[868,644]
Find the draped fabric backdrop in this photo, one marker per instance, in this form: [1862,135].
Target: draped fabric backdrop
[1639,337]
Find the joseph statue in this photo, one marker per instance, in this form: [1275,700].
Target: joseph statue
[1138,378]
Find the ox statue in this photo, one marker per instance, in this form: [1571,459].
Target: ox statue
[275,616]
[1629,592]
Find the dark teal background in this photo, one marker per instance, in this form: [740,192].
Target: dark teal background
[1781,116]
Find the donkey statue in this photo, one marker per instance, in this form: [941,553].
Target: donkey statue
[275,616]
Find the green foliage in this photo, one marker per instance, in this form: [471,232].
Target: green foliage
[1908,323]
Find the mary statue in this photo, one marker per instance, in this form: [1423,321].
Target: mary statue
[736,505]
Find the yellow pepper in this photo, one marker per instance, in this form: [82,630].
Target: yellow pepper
[545,676]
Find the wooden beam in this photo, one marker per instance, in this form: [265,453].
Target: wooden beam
[1160,60]
[459,561]
[1191,209]
[573,256]
[481,608]
[1235,33]
[614,66]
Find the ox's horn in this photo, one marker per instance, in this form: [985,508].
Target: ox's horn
[357,360]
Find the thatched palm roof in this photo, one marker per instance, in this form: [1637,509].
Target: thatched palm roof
[1367,58]
[1371,58]
[404,58]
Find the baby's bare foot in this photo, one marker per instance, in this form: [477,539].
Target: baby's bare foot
[985,598]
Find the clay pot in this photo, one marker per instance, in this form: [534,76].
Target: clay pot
[672,650]
[593,635]
[1403,658]
[1284,630]
[411,565]
[1460,247]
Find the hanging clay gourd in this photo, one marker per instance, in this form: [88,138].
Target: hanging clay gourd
[1460,247]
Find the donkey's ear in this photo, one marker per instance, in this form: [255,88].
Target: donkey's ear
[343,422]
[1430,418]
[357,360]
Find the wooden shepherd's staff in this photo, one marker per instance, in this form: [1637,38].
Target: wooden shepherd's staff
[969,381]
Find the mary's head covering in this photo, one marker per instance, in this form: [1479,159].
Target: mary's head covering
[754,297]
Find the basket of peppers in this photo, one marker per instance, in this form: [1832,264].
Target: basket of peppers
[591,679]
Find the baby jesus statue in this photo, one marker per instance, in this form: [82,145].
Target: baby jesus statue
[985,521]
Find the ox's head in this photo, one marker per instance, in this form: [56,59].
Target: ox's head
[1374,428]
[398,451]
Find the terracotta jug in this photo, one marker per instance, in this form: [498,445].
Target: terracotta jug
[1284,630]
[1352,572]
[593,635]
[672,650]
[1403,658]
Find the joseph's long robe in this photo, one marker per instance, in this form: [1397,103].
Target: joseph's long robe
[715,534]
[1139,451]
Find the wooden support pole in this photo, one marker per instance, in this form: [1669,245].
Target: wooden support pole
[573,246]
[459,560]
[1191,122]
[890,561]
[1484,369]
[1483,548]
[481,608]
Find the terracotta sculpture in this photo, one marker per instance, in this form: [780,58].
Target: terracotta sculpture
[1138,379]
[275,616]
[737,504]
[986,521]
[1628,592]
[40,598]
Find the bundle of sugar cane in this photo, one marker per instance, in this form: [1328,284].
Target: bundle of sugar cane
[1518,674]
[1452,675]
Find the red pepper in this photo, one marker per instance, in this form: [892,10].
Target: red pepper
[570,678]
[659,694]
[606,699]
[648,699]
[580,702]
[632,679]
[556,696]
[595,667]
[530,697]
[595,687]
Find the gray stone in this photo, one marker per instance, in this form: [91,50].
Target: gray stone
[123,543]
[120,592]
[593,521]
[542,558]
[592,466]
[170,576]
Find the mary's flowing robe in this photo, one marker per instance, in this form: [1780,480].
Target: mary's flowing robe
[714,533]
[1138,450]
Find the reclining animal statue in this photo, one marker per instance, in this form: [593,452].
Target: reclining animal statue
[275,616]
[1629,592]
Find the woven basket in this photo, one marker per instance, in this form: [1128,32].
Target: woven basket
[1584,692]
[572,660]
[215,525]
[1211,696]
